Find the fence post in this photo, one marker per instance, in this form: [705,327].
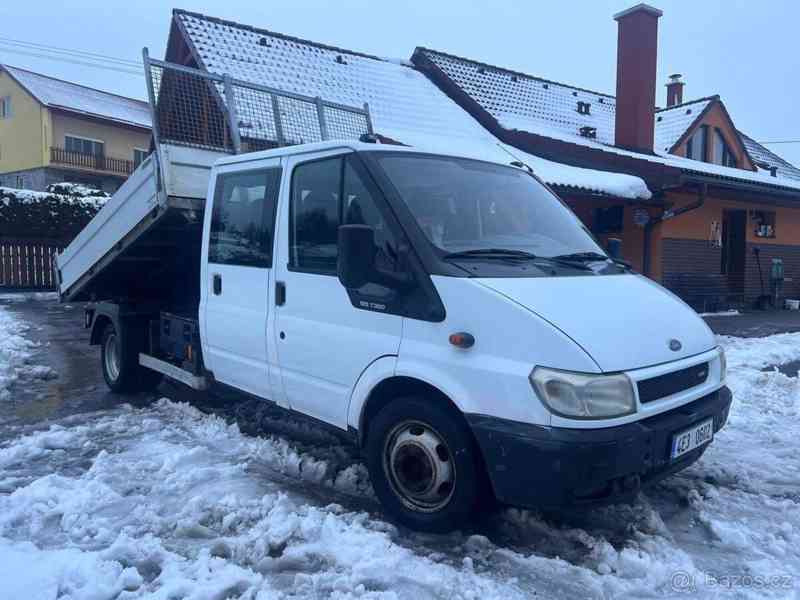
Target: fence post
[233,119]
[151,95]
[369,118]
[323,124]
[276,116]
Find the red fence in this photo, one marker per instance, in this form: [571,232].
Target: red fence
[28,263]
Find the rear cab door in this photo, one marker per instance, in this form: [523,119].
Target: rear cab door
[236,273]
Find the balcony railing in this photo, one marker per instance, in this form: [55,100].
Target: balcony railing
[118,166]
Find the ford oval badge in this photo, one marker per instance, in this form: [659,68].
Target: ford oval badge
[675,345]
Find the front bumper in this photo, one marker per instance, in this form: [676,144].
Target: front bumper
[550,467]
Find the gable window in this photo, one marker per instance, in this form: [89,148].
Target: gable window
[697,146]
[5,107]
[139,155]
[87,146]
[722,152]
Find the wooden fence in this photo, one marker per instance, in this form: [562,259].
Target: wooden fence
[28,263]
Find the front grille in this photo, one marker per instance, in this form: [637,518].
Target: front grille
[672,383]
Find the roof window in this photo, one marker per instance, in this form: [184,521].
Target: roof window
[545,86]
[588,132]
[340,59]
[584,107]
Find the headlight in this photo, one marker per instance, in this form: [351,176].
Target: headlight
[584,395]
[723,364]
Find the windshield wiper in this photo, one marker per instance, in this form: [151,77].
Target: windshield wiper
[509,254]
[491,253]
[584,257]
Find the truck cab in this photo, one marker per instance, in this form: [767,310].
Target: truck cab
[448,313]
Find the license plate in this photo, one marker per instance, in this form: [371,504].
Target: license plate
[691,438]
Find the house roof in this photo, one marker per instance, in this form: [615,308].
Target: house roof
[672,123]
[763,156]
[404,104]
[549,109]
[79,99]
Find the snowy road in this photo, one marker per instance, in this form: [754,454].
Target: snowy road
[156,499]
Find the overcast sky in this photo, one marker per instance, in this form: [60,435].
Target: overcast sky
[744,51]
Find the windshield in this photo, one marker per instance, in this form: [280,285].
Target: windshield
[465,205]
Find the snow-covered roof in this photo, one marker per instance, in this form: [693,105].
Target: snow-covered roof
[550,109]
[671,123]
[72,97]
[764,156]
[405,105]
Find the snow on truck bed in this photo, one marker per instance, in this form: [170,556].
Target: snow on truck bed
[166,502]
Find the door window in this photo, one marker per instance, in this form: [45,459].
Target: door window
[326,194]
[243,218]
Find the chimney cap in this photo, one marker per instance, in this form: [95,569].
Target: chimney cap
[638,8]
[675,78]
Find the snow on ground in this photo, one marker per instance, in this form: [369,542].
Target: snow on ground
[15,351]
[167,502]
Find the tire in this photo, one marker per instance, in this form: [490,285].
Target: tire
[119,358]
[425,466]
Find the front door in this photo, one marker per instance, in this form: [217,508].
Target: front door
[235,298]
[325,342]
[734,239]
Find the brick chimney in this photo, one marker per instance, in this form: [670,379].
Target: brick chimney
[674,90]
[637,48]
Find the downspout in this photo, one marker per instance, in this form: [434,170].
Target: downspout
[666,216]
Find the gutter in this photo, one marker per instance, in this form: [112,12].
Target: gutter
[666,216]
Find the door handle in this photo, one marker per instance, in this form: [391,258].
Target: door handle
[280,293]
[217,284]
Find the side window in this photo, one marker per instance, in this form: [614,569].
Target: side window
[243,218]
[314,216]
[326,194]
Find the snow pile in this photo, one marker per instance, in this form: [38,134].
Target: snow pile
[15,351]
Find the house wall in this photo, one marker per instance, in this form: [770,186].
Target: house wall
[22,135]
[631,235]
[689,262]
[119,141]
[716,117]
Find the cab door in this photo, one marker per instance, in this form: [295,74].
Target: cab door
[237,274]
[324,341]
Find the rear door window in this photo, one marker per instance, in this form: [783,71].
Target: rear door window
[243,218]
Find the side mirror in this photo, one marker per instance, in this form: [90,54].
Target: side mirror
[355,265]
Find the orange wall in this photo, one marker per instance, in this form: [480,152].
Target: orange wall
[716,118]
[632,235]
[696,225]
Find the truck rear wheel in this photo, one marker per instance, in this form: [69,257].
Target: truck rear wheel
[119,357]
[425,466]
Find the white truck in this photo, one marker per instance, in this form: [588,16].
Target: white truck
[450,315]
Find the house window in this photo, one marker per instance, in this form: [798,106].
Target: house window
[722,152]
[5,107]
[81,145]
[609,220]
[764,223]
[138,157]
[697,146]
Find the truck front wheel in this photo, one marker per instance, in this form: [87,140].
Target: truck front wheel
[425,466]
[119,357]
